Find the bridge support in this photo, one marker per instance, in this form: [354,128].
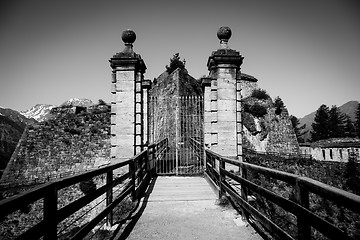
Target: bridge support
[223,128]
[127,105]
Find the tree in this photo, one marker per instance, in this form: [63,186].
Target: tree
[175,63]
[357,121]
[279,104]
[349,128]
[260,94]
[336,123]
[299,130]
[320,126]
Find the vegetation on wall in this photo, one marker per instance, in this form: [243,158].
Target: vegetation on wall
[345,176]
[175,63]
[260,94]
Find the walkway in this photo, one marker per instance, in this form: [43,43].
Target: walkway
[185,208]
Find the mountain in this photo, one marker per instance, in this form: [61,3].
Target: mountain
[348,108]
[17,117]
[76,102]
[12,125]
[10,133]
[39,112]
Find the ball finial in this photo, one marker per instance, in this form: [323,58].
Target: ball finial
[224,34]
[128,36]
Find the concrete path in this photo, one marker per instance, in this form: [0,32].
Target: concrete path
[185,208]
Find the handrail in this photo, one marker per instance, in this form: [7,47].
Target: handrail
[138,172]
[298,206]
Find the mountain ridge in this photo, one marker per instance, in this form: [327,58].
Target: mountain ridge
[348,108]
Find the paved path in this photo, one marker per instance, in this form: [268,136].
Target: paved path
[185,208]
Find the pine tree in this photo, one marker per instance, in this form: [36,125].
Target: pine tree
[279,104]
[299,130]
[336,123]
[349,129]
[175,63]
[320,126]
[357,122]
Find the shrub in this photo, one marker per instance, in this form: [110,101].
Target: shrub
[101,102]
[260,94]
[257,110]
[279,104]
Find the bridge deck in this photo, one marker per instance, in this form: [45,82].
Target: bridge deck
[185,208]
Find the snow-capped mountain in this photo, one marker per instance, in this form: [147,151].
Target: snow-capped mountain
[76,102]
[39,112]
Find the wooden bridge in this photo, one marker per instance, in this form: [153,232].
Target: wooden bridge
[180,207]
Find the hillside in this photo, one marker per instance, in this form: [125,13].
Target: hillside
[12,125]
[348,108]
[70,141]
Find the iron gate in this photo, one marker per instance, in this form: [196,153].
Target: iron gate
[179,119]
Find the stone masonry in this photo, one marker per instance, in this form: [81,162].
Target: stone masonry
[127,116]
[223,99]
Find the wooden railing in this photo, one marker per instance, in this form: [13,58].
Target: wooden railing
[137,176]
[298,205]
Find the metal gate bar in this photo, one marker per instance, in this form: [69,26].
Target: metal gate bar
[178,119]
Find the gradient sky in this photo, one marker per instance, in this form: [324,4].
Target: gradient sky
[307,52]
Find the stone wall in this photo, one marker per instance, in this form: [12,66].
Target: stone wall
[68,143]
[167,104]
[270,133]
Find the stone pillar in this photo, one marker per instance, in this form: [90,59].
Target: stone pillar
[223,128]
[127,101]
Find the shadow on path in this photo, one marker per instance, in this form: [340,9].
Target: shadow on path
[135,218]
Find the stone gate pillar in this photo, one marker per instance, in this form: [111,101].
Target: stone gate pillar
[127,105]
[223,129]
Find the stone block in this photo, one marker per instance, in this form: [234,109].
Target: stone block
[227,138]
[226,105]
[225,82]
[214,138]
[207,117]
[238,106]
[213,95]
[125,141]
[120,97]
[214,116]
[124,129]
[122,118]
[226,94]
[125,75]
[125,86]
[226,127]
[226,116]
[207,138]
[207,127]
[214,127]
[213,106]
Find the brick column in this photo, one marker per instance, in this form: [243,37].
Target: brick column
[127,101]
[223,92]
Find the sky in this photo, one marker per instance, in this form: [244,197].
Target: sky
[307,52]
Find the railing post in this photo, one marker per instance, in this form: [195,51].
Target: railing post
[244,192]
[133,177]
[109,196]
[50,208]
[221,177]
[302,198]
